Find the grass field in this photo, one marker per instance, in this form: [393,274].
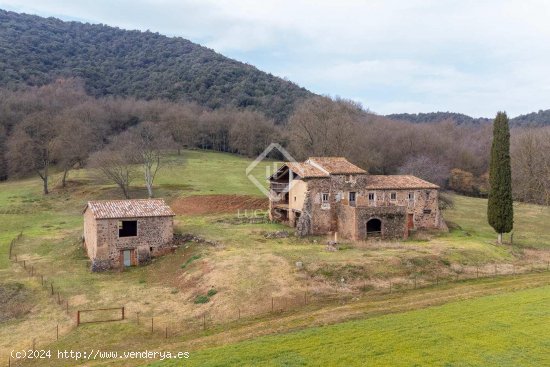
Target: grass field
[502,330]
[246,268]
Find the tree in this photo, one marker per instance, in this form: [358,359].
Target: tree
[75,142]
[500,211]
[31,147]
[116,166]
[147,142]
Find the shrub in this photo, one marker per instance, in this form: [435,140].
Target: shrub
[201,299]
[212,292]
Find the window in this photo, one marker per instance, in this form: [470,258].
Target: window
[371,196]
[393,196]
[352,198]
[127,228]
[427,211]
[324,198]
[295,198]
[411,196]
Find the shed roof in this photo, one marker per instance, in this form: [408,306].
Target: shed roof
[135,208]
[397,182]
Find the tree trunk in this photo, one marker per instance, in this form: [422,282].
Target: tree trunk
[64,180]
[45,179]
[45,184]
[499,240]
[125,191]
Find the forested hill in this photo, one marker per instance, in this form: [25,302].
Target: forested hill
[111,61]
[541,118]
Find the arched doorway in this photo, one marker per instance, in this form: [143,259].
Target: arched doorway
[374,227]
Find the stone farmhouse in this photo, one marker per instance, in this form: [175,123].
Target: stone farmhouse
[121,233]
[330,195]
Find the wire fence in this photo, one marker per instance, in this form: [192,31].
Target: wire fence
[168,325]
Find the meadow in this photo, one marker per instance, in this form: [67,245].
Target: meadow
[487,331]
[247,269]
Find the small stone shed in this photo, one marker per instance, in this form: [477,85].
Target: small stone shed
[121,233]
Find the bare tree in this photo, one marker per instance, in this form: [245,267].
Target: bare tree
[75,142]
[31,147]
[426,168]
[115,166]
[147,142]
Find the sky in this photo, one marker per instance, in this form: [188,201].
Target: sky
[472,57]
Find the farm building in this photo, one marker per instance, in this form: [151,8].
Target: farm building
[331,195]
[121,233]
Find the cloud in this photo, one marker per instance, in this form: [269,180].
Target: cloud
[474,57]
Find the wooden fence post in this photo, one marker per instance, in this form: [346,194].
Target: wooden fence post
[415,282]
[239,313]
[24,265]
[204,321]
[390,286]
[67,306]
[166,332]
[152,325]
[77,318]
[122,312]
[137,315]
[51,286]
[57,332]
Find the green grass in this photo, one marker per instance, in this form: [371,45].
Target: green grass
[502,330]
[531,227]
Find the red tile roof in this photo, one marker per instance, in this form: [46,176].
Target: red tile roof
[382,182]
[336,165]
[137,208]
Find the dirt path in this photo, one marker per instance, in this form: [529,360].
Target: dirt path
[210,204]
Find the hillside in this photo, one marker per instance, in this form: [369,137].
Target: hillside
[259,288]
[145,65]
[540,118]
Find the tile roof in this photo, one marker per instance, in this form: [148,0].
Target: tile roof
[306,170]
[137,208]
[336,165]
[397,182]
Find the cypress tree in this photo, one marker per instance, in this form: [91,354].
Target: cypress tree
[500,211]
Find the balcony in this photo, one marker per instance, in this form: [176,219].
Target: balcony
[279,186]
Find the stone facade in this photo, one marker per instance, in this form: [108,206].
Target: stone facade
[105,243]
[322,204]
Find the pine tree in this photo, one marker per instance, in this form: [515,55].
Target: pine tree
[500,211]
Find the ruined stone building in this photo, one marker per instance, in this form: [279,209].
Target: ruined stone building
[331,195]
[121,233]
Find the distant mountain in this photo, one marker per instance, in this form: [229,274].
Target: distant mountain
[112,61]
[541,118]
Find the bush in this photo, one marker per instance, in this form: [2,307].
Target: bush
[212,292]
[201,299]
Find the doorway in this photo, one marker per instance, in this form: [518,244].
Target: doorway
[374,227]
[410,221]
[127,258]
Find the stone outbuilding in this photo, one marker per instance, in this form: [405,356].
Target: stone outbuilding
[331,195]
[122,233]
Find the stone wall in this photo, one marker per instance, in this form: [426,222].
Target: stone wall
[154,237]
[393,218]
[321,218]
